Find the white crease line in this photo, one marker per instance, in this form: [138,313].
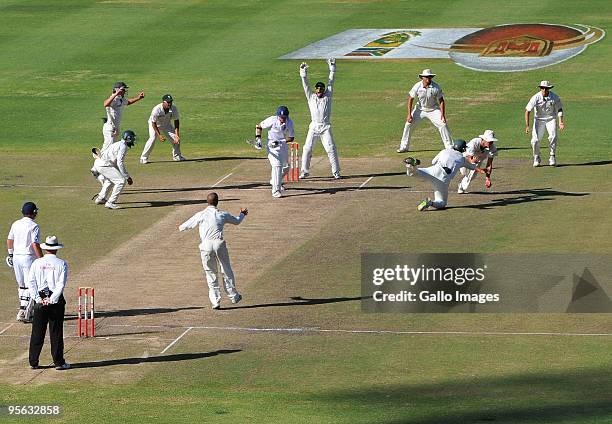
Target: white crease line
[176,340]
[397,332]
[365,182]
[224,178]
[1,332]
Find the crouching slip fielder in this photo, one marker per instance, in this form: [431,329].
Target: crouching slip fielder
[280,132]
[320,105]
[23,245]
[213,248]
[547,107]
[481,148]
[110,170]
[160,127]
[444,167]
[431,105]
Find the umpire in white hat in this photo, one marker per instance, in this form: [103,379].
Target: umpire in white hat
[46,283]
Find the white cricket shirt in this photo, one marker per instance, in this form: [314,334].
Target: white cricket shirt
[24,232]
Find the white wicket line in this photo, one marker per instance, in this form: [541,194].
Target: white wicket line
[365,182]
[175,340]
[222,179]
[1,332]
[356,331]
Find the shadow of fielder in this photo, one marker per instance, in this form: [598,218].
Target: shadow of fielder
[166,358]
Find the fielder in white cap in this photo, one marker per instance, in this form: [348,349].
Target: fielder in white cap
[431,105]
[548,108]
[480,148]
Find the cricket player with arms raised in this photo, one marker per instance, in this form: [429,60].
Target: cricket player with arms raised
[548,107]
[213,248]
[320,105]
[114,106]
[280,132]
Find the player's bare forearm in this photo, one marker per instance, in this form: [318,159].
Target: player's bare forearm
[137,98]
[37,250]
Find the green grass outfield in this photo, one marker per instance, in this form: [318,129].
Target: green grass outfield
[219,60]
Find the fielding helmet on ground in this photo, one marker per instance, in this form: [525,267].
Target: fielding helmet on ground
[130,138]
[282,111]
[459,145]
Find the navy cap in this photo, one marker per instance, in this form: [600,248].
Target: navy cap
[29,208]
[167,98]
[319,85]
[119,85]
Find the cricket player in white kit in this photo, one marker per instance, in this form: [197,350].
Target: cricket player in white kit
[480,148]
[443,168]
[430,105]
[110,170]
[114,106]
[320,105]
[161,121]
[548,107]
[280,132]
[213,248]
[23,245]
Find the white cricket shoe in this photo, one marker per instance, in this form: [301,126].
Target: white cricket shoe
[402,150]
[216,306]
[536,161]
[337,175]
[304,175]
[144,161]
[460,190]
[425,204]
[552,161]
[99,200]
[180,158]
[277,194]
[64,366]
[237,298]
[21,315]
[111,205]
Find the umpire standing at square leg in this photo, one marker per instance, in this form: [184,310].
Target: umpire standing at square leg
[213,248]
[46,281]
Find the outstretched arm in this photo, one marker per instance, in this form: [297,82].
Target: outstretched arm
[304,76]
[332,74]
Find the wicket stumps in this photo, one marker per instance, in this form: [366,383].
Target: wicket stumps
[86,319]
[294,162]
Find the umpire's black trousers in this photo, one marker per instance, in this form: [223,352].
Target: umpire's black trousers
[54,316]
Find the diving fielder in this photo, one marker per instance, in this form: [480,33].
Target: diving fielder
[480,148]
[110,170]
[114,106]
[320,105]
[547,107]
[213,248]
[431,105]
[280,132]
[23,245]
[443,168]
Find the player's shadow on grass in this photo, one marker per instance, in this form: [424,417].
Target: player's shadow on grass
[154,359]
[544,396]
[137,312]
[213,159]
[313,191]
[300,301]
[596,163]
[524,196]
[188,189]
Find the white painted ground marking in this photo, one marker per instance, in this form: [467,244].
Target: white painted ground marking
[176,340]
[365,182]
[222,179]
[356,331]
[7,328]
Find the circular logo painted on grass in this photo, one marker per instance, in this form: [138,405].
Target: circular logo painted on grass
[521,47]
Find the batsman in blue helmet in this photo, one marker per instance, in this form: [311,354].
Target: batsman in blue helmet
[280,132]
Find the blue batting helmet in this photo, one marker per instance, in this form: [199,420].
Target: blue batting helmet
[282,111]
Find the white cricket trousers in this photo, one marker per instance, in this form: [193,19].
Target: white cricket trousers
[211,252]
[111,177]
[170,135]
[435,117]
[279,161]
[439,180]
[539,125]
[109,134]
[21,267]
[468,175]
[324,133]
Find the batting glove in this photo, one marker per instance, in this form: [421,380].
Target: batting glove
[9,260]
[258,143]
[332,64]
